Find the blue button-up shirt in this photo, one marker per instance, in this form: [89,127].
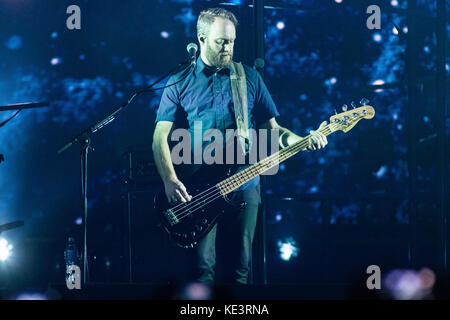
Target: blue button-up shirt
[205,95]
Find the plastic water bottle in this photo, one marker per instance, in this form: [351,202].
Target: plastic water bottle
[71,257]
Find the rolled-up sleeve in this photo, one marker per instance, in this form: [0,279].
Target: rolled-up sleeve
[265,107]
[169,104]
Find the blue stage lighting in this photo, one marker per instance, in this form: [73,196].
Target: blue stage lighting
[55,61]
[280,25]
[377,37]
[5,249]
[287,249]
[381,172]
[410,284]
[14,42]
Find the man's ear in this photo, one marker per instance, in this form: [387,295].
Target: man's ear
[201,38]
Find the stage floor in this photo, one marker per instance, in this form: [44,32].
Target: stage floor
[131,291]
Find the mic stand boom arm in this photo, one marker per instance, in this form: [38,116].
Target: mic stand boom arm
[85,143]
[109,118]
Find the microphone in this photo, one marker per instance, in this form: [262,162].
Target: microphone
[192,51]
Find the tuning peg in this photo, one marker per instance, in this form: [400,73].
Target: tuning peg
[335,112]
[344,107]
[364,101]
[353,105]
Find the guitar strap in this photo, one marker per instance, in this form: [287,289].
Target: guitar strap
[239,90]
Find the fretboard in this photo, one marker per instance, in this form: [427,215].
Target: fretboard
[238,179]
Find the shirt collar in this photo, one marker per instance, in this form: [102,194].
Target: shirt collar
[200,66]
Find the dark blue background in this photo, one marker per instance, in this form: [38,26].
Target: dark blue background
[349,205]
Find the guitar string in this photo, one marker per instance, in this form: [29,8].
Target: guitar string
[215,186]
[235,183]
[245,171]
[216,193]
[225,184]
[231,181]
[219,194]
[262,164]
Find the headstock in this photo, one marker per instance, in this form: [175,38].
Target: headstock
[346,120]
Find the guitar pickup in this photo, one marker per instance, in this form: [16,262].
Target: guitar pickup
[171,217]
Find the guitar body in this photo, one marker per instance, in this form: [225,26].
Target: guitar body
[187,223]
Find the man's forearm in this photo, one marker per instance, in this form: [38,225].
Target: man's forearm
[316,140]
[163,161]
[287,137]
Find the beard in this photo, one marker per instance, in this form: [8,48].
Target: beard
[218,59]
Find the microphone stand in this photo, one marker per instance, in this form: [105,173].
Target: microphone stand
[11,225]
[85,145]
[19,107]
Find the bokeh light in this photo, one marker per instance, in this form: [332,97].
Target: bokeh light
[196,291]
[280,25]
[55,61]
[288,249]
[165,34]
[14,42]
[5,249]
[377,37]
[410,284]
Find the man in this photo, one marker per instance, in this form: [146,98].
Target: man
[206,96]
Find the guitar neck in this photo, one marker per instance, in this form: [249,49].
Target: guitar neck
[238,179]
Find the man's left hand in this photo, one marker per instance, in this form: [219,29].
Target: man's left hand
[317,140]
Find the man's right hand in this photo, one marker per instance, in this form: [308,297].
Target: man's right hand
[176,191]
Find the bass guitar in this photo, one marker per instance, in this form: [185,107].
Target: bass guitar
[188,222]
